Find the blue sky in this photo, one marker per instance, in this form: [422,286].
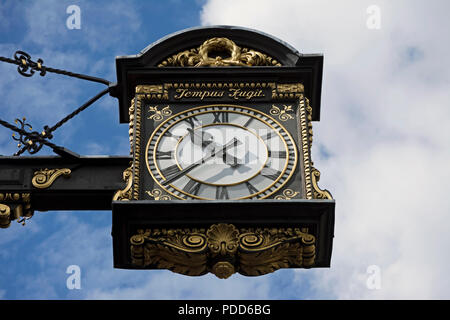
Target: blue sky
[382,145]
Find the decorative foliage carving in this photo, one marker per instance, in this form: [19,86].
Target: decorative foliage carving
[228,54]
[223,250]
[222,239]
[44,178]
[158,115]
[283,115]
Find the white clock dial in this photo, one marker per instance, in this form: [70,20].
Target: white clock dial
[221,152]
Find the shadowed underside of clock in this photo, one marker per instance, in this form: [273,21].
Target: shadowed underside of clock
[222,179]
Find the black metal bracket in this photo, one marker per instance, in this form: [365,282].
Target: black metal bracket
[32,141]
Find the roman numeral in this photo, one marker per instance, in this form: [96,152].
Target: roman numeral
[192,121]
[171,135]
[267,136]
[270,173]
[192,187]
[222,193]
[248,122]
[251,188]
[277,154]
[220,117]
[171,171]
[164,155]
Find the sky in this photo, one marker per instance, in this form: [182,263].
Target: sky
[382,144]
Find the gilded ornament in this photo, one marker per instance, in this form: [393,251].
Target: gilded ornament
[283,115]
[137,146]
[149,89]
[225,248]
[158,195]
[223,269]
[159,115]
[125,194]
[290,88]
[319,193]
[223,239]
[288,194]
[5,212]
[304,137]
[131,126]
[227,54]
[44,178]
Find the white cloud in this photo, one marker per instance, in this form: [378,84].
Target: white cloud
[385,121]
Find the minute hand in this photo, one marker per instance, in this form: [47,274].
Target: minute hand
[232,143]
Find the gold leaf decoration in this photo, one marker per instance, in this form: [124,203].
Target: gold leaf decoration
[159,115]
[283,115]
[288,194]
[44,178]
[125,194]
[158,195]
[228,54]
[223,250]
[319,193]
[222,239]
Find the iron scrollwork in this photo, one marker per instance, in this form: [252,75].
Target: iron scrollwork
[26,66]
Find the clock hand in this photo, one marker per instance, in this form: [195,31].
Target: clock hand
[204,137]
[206,140]
[233,143]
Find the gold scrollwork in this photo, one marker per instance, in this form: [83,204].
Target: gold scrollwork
[125,194]
[227,54]
[158,195]
[44,178]
[223,250]
[159,115]
[288,194]
[319,193]
[283,115]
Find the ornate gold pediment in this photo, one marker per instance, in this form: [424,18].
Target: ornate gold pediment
[227,54]
[223,250]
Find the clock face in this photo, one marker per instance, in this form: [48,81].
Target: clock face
[221,152]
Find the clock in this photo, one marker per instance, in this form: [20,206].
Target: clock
[220,152]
